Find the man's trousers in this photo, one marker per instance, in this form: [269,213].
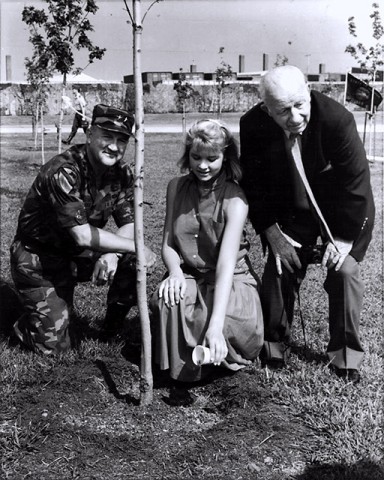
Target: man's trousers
[46,285]
[345,293]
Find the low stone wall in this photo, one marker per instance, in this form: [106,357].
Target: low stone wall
[15,99]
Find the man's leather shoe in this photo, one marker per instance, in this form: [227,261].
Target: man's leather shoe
[348,374]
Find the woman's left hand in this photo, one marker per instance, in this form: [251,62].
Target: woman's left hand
[172,289]
[217,345]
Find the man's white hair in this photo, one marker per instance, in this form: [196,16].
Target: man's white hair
[284,77]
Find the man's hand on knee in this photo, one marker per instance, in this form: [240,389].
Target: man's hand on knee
[283,248]
[336,253]
[105,269]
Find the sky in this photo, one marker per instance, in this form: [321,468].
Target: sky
[181,33]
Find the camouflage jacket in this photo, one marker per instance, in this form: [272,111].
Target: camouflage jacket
[64,194]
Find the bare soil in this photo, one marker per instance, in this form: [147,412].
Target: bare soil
[82,420]
[93,427]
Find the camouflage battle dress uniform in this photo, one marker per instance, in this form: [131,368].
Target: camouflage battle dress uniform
[44,256]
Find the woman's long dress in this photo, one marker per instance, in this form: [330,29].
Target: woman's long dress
[198,223]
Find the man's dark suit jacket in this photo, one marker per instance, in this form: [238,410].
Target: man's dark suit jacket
[335,164]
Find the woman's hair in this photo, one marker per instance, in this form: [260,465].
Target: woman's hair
[209,133]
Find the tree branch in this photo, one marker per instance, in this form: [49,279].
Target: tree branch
[153,3]
[129,13]
[81,20]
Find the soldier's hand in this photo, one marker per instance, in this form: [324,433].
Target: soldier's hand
[105,269]
[150,257]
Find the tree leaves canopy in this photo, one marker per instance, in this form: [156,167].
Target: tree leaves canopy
[369,58]
[223,72]
[56,32]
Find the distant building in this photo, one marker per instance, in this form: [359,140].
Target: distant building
[326,77]
[209,78]
[250,77]
[71,78]
[150,77]
[193,77]
[313,77]
[188,76]
[363,73]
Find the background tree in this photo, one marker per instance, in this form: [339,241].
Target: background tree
[56,34]
[222,73]
[184,91]
[371,57]
[38,74]
[146,378]
[38,78]
[281,60]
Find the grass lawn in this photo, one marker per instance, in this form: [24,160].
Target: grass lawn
[76,416]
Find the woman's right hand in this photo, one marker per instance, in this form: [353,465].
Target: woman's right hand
[217,344]
[172,289]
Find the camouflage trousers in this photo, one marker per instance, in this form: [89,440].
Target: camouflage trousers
[46,285]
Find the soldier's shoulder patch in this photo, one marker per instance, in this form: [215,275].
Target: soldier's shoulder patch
[66,179]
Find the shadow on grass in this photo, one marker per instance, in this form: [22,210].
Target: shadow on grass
[11,307]
[309,355]
[81,329]
[363,470]
[112,385]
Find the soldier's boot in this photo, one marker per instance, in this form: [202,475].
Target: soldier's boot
[114,321]
[69,139]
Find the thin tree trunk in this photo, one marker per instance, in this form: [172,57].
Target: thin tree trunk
[60,126]
[365,127]
[184,120]
[42,135]
[220,104]
[372,116]
[35,124]
[146,379]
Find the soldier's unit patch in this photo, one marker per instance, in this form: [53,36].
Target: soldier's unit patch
[63,182]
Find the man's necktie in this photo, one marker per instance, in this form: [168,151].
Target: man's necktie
[299,192]
[298,163]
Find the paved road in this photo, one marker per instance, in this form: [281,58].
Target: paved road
[174,126]
[66,129]
[149,128]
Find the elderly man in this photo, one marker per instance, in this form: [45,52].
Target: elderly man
[61,239]
[293,126]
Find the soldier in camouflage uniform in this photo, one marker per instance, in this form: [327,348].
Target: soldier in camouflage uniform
[61,239]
